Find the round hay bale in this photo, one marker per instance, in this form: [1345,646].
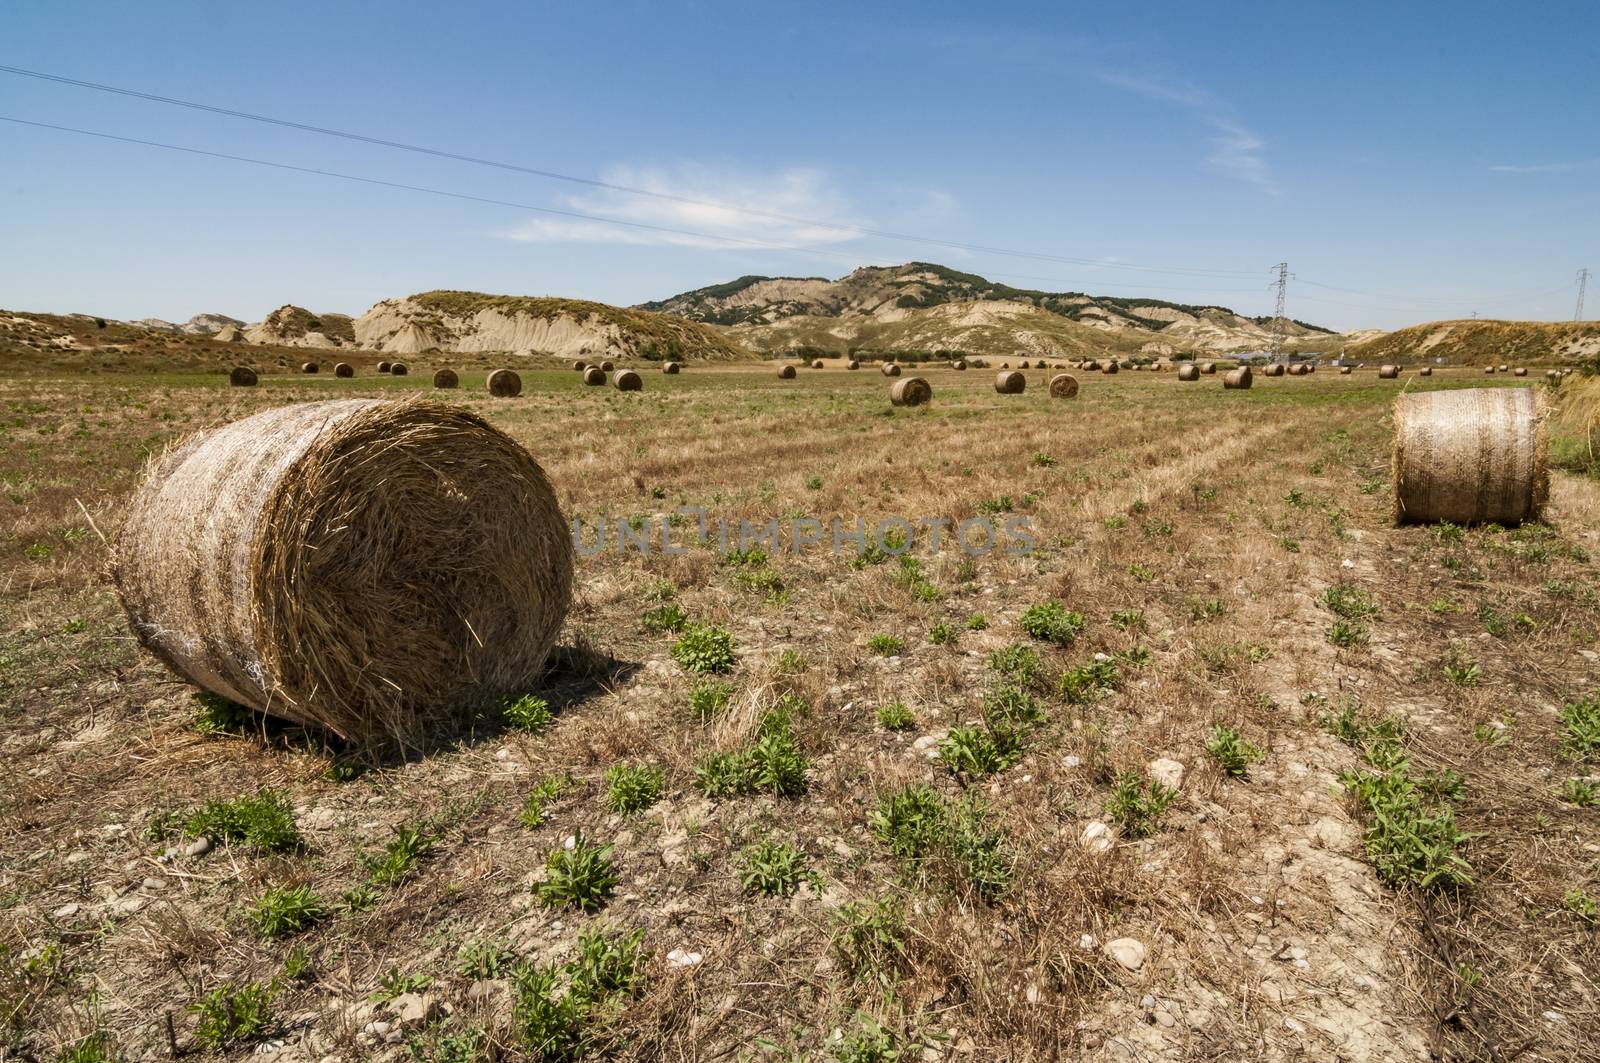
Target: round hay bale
[1010,382]
[785,372]
[309,367]
[606,366]
[1109,367]
[580,366]
[1469,456]
[1063,386]
[1503,368]
[1344,370]
[1388,372]
[378,569]
[627,380]
[671,368]
[1140,367]
[1275,369]
[1549,374]
[852,364]
[398,369]
[504,384]
[1239,378]
[594,376]
[911,391]
[891,369]
[383,367]
[1489,369]
[959,365]
[344,369]
[1208,368]
[1426,370]
[816,363]
[1005,365]
[1189,372]
[242,376]
[445,378]
[1519,371]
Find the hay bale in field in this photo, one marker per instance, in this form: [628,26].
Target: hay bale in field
[1109,367]
[378,569]
[1549,374]
[504,384]
[1239,378]
[671,368]
[1010,382]
[1139,367]
[891,369]
[1005,365]
[1426,370]
[785,372]
[1388,372]
[242,376]
[344,369]
[1275,369]
[580,366]
[1063,386]
[383,367]
[912,391]
[1489,370]
[1470,456]
[816,363]
[1519,371]
[398,369]
[1344,370]
[1208,368]
[606,366]
[594,376]
[309,367]
[959,365]
[445,379]
[1189,372]
[627,380]
[1298,369]
[1503,368]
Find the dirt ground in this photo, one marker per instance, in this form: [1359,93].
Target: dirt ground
[1197,532]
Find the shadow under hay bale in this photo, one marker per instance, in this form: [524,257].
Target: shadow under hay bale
[504,384]
[378,569]
[344,369]
[1010,382]
[594,376]
[891,369]
[1238,379]
[785,372]
[1188,372]
[445,378]
[1063,386]
[670,368]
[1470,456]
[1388,372]
[912,391]
[398,369]
[242,377]
[627,380]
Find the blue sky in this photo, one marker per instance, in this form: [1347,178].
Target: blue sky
[1410,161]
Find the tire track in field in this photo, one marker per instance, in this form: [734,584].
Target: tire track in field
[1207,452]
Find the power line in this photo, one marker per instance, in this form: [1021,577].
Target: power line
[590,182]
[1278,325]
[1583,284]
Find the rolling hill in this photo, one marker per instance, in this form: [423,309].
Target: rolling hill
[1481,342]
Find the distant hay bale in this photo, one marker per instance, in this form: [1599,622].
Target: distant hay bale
[1208,368]
[344,369]
[1140,367]
[1519,371]
[379,569]
[309,367]
[1549,374]
[1109,366]
[627,380]
[242,376]
[852,364]
[383,367]
[1298,369]
[1388,372]
[606,366]
[580,366]
[1503,368]
[504,384]
[1189,372]
[671,368]
[594,376]
[1426,370]
[1344,370]
[959,365]
[1470,456]
[1090,366]
[1005,365]
[1489,369]
[398,369]
[912,391]
[1275,369]
[1063,386]
[785,372]
[1239,378]
[816,363]
[891,369]
[1010,382]
[445,378]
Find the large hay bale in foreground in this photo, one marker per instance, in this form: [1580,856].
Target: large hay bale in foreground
[1010,382]
[627,380]
[594,376]
[242,376]
[1388,372]
[344,369]
[1470,456]
[912,391]
[1240,378]
[504,384]
[445,378]
[785,372]
[671,368]
[375,568]
[891,369]
[1189,372]
[1063,386]
[398,369]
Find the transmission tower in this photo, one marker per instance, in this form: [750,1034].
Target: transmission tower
[1279,326]
[1583,282]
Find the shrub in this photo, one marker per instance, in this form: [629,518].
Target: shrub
[885,645]
[704,649]
[1052,622]
[1137,804]
[632,789]
[773,868]
[896,717]
[582,876]
[285,910]
[233,1015]
[264,821]
[1233,752]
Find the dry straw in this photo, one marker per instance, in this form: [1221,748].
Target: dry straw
[379,569]
[627,380]
[891,369]
[1275,369]
[242,377]
[1189,372]
[671,368]
[398,369]
[594,376]
[1239,378]
[1470,456]
[445,378]
[912,391]
[309,367]
[1388,372]
[344,369]
[785,372]
[1010,382]
[504,384]
[1063,386]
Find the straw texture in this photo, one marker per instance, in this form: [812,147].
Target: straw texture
[1063,386]
[1470,456]
[445,378]
[504,384]
[1240,378]
[1010,382]
[912,391]
[242,377]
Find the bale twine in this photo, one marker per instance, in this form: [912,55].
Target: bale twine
[242,376]
[1189,372]
[1469,456]
[379,569]
[1063,386]
[852,364]
[606,366]
[1109,367]
[445,378]
[671,368]
[344,369]
[1426,370]
[1239,378]
[383,367]
[627,380]
[1344,370]
[309,367]
[594,376]
[912,391]
[1208,368]
[1388,372]
[891,369]
[504,384]
[398,369]
[1519,371]
[1010,382]
[959,365]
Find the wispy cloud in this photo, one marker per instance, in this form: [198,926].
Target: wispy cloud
[1549,167]
[1236,150]
[702,203]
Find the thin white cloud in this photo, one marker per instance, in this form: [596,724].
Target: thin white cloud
[722,201]
[1548,167]
[1236,150]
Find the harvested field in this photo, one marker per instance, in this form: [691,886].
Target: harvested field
[943,767]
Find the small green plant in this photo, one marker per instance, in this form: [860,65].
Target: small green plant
[285,910]
[662,590]
[909,821]
[705,650]
[1347,633]
[582,876]
[264,821]
[632,789]
[1089,681]
[606,961]
[974,752]
[558,1011]
[708,698]
[1581,904]
[791,662]
[297,964]
[442,1042]
[920,827]
[1460,669]
[1490,734]
[664,618]
[1580,792]
[1207,609]
[1447,532]
[896,717]
[400,857]
[814,483]
[96,1048]
[361,898]
[885,645]
[1128,619]
[773,868]
[1137,804]
[480,959]
[1582,721]
[873,1042]
[217,715]
[869,938]
[1232,752]
[1115,522]
[1052,622]
[1016,664]
[1042,461]
[1297,498]
[1349,602]
[397,983]
[977,622]
[942,634]
[546,790]
[234,1015]
[526,712]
